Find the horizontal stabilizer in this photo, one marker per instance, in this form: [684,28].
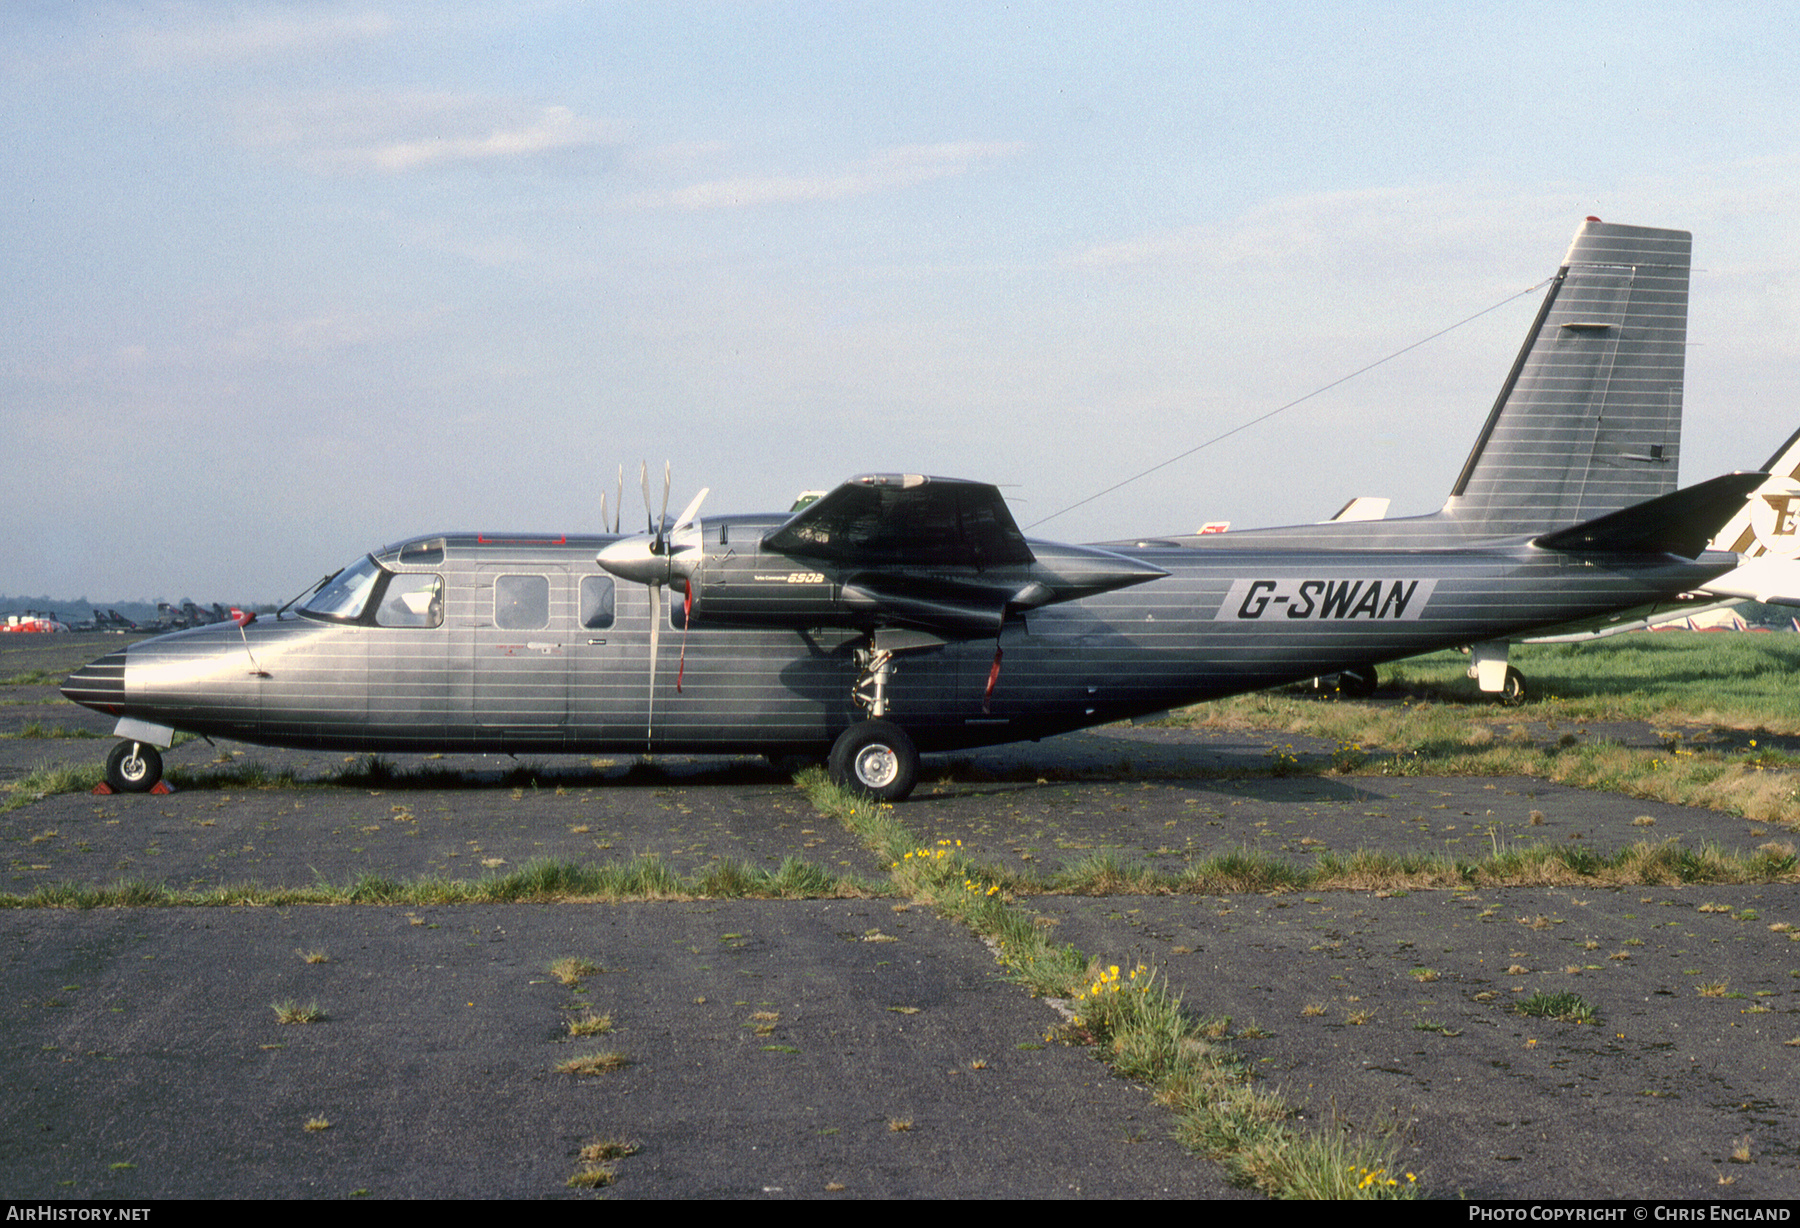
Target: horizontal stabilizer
[1364,508]
[1681,522]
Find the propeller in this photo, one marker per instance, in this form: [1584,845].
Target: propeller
[655,559]
[619,507]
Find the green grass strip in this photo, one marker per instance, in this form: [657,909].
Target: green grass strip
[37,729]
[537,882]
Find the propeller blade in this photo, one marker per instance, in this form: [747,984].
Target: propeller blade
[619,510]
[655,635]
[663,520]
[649,508]
[687,620]
[603,511]
[687,515]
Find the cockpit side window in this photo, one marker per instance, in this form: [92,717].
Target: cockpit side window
[347,595]
[422,554]
[412,599]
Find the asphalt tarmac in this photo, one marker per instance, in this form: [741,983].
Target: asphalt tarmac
[856,1047]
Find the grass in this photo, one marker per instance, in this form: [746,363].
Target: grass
[594,1064]
[37,729]
[593,1177]
[590,1024]
[35,677]
[537,882]
[599,1167]
[1562,1007]
[43,781]
[295,1013]
[598,1163]
[609,1149]
[1672,678]
[1235,872]
[1668,678]
[572,970]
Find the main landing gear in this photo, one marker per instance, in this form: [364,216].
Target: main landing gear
[133,767]
[875,757]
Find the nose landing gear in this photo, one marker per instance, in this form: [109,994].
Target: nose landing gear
[134,767]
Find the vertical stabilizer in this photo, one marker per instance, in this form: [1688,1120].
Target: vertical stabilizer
[1589,420]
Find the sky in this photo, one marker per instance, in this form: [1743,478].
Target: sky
[284,282]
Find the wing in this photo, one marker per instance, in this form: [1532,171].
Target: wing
[905,520]
[884,551]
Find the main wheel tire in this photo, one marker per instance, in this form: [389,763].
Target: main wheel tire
[876,759]
[133,767]
[1512,692]
[1358,683]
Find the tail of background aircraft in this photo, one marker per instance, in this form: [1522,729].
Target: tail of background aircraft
[1589,419]
[1766,533]
[1770,521]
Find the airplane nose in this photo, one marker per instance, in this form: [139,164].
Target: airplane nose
[99,685]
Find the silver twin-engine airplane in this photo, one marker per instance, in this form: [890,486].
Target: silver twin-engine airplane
[901,613]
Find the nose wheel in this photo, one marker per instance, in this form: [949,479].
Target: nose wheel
[876,759]
[133,767]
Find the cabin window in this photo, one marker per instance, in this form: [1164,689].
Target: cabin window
[412,600]
[521,603]
[596,602]
[345,596]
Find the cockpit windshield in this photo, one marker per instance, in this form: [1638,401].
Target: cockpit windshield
[347,594]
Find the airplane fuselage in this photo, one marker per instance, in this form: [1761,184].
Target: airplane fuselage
[527,645]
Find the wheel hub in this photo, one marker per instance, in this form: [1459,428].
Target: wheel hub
[876,766]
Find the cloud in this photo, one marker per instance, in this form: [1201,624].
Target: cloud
[900,167]
[555,128]
[249,36]
[398,133]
